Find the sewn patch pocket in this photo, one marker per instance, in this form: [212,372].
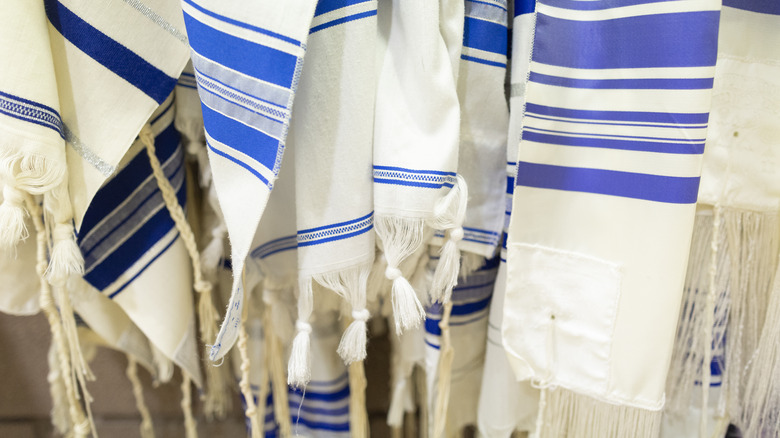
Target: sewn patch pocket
[559,316]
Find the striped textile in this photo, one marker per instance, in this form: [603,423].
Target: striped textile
[468,328]
[247,59]
[607,178]
[131,247]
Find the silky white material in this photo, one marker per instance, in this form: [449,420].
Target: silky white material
[269,30]
[639,240]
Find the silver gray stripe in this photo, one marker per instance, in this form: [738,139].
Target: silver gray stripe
[87,154]
[157,19]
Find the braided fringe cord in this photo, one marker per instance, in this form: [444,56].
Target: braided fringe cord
[81,425]
[709,321]
[147,429]
[190,426]
[445,372]
[273,356]
[358,417]
[246,388]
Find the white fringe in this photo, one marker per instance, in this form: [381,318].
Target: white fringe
[65,259]
[449,214]
[31,173]
[12,215]
[568,414]
[273,358]
[256,425]
[401,237]
[59,397]
[446,355]
[190,426]
[299,367]
[146,428]
[358,417]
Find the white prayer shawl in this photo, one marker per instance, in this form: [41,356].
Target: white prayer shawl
[608,174]
[505,404]
[468,329]
[332,136]
[247,59]
[22,287]
[415,141]
[132,250]
[741,192]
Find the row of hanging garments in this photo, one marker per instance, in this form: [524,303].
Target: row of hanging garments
[566,211]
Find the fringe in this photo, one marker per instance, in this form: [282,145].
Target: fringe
[245,385]
[299,367]
[449,215]
[190,426]
[65,259]
[568,414]
[32,173]
[445,374]
[401,237]
[146,428]
[273,357]
[12,215]
[358,417]
[59,411]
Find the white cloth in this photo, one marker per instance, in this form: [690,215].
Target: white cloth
[247,59]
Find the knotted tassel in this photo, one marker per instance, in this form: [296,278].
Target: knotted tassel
[401,237]
[12,214]
[299,367]
[65,259]
[352,347]
[449,214]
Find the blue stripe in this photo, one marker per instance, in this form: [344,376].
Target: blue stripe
[421,172]
[468,308]
[325,6]
[187,86]
[482,61]
[630,137]
[322,396]
[761,6]
[633,84]
[33,120]
[644,125]
[232,88]
[524,7]
[163,112]
[623,116]
[242,24]
[668,189]
[116,190]
[254,143]
[339,237]
[343,20]
[320,411]
[340,224]
[252,59]
[110,54]
[477,230]
[116,292]
[239,162]
[597,4]
[687,39]
[38,105]
[485,35]
[626,145]
[411,183]
[510,185]
[337,427]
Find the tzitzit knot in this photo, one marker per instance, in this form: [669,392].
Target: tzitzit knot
[392,273]
[13,196]
[62,232]
[361,315]
[456,235]
[303,326]
[202,286]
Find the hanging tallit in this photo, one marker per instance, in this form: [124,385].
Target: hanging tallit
[604,200]
[728,335]
[247,59]
[505,404]
[332,139]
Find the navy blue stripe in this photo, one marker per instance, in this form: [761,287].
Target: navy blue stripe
[597,4]
[423,172]
[116,190]
[482,61]
[110,54]
[252,142]
[633,84]
[242,24]
[164,112]
[33,120]
[339,237]
[325,6]
[524,7]
[343,20]
[623,116]
[239,162]
[411,184]
[252,59]
[323,396]
[762,6]
[340,224]
[668,189]
[626,145]
[38,105]
[337,427]
[485,35]
[465,309]
[686,39]
[116,292]
[320,411]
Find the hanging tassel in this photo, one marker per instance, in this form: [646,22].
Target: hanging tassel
[163,366]
[147,429]
[273,357]
[59,397]
[244,384]
[12,214]
[65,258]
[445,374]
[400,238]
[299,367]
[190,426]
[449,214]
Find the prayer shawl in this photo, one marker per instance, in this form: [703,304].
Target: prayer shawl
[416,144]
[332,138]
[728,334]
[247,59]
[22,287]
[468,329]
[603,207]
[505,404]
[131,246]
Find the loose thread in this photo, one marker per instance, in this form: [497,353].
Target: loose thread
[190,426]
[244,384]
[146,428]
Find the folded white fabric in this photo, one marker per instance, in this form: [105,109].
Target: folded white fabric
[247,59]
[604,201]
